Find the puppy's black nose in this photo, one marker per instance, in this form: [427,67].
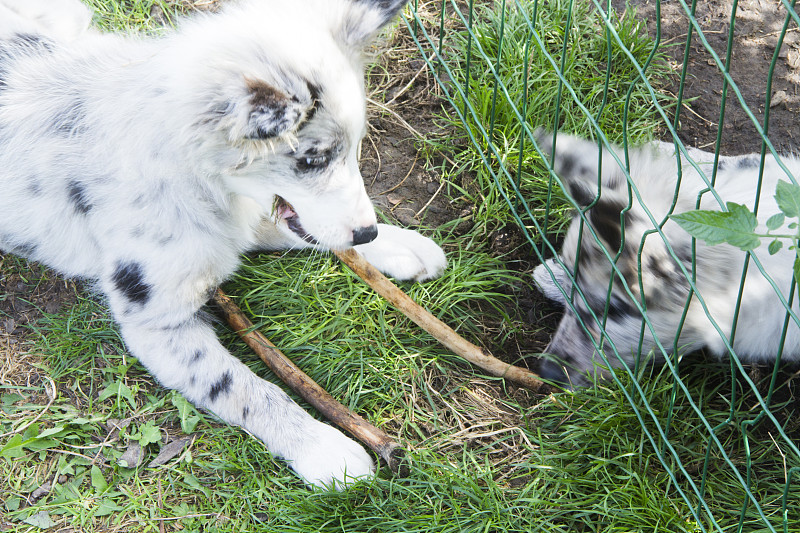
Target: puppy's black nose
[365,234]
[553,372]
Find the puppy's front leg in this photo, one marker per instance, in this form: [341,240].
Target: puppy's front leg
[166,334]
[404,254]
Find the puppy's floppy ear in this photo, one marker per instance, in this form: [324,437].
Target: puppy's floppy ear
[576,163]
[360,20]
[272,112]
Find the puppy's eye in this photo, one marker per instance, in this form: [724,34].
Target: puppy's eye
[317,161]
[313,162]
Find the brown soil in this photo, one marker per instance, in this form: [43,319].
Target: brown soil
[758,24]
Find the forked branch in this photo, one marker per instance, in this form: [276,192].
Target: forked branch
[389,450]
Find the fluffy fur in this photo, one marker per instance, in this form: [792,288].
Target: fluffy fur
[150,164]
[646,274]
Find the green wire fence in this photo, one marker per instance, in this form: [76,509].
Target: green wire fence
[507,67]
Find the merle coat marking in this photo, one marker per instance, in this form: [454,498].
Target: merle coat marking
[646,273]
[150,164]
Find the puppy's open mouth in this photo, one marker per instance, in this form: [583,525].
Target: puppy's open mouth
[284,211]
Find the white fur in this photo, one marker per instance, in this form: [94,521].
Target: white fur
[150,164]
[649,274]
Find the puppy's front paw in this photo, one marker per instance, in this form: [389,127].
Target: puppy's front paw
[331,460]
[404,254]
[548,286]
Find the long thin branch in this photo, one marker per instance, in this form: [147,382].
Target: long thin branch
[302,384]
[439,330]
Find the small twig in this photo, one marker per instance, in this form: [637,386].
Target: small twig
[289,373]
[402,181]
[424,207]
[410,83]
[400,119]
[442,332]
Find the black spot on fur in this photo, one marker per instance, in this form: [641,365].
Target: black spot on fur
[389,8]
[567,165]
[619,307]
[273,111]
[581,194]
[749,162]
[31,43]
[128,278]
[245,413]
[78,197]
[222,386]
[316,94]
[684,254]
[661,271]
[197,356]
[605,218]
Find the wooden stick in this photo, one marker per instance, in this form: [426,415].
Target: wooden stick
[289,373]
[476,355]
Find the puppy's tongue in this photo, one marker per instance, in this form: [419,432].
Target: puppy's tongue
[285,210]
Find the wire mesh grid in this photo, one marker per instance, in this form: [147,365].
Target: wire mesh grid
[509,67]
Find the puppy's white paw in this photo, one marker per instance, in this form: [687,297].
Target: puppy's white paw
[331,460]
[404,254]
[547,286]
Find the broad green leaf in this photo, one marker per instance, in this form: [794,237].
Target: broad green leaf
[118,389]
[775,247]
[107,507]
[12,503]
[788,197]
[13,448]
[98,481]
[41,520]
[735,226]
[775,221]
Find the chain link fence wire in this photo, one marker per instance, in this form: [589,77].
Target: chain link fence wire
[508,67]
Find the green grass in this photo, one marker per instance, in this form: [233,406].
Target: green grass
[513,72]
[486,457]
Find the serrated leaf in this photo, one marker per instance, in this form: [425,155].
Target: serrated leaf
[188,414]
[775,221]
[148,433]
[787,195]
[735,226]
[775,247]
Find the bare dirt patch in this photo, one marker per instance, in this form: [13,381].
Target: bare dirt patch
[757,27]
